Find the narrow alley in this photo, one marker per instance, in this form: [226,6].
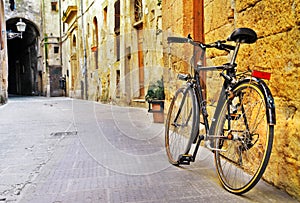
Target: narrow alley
[68,150]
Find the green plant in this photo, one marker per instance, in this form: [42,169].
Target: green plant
[159,2]
[156,91]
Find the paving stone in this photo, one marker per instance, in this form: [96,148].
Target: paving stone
[108,159]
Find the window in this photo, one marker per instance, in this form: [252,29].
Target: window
[95,32]
[117,17]
[117,29]
[105,17]
[117,47]
[118,84]
[74,45]
[54,6]
[56,50]
[138,10]
[88,30]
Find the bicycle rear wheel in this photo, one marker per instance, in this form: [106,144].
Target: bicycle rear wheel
[243,156]
[181,124]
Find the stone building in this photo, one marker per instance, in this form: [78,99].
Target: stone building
[111,49]
[50,46]
[24,61]
[34,61]
[3,56]
[276,51]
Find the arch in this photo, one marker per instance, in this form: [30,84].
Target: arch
[95,32]
[74,62]
[31,27]
[74,44]
[24,76]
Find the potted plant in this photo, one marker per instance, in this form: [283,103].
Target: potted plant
[155,97]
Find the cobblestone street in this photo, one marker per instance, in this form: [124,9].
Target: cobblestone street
[67,150]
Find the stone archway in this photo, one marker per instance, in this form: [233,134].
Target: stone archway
[24,76]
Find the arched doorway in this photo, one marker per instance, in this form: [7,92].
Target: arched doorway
[24,76]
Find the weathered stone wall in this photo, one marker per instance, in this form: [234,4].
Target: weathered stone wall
[276,51]
[98,68]
[177,16]
[3,57]
[50,23]
[26,52]
[30,11]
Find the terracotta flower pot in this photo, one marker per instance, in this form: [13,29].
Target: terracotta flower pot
[157,110]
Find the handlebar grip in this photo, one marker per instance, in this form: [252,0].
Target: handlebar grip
[177,40]
[227,46]
[220,45]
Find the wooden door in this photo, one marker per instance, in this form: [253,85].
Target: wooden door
[141,62]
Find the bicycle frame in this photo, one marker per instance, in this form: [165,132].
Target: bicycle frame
[228,77]
[244,116]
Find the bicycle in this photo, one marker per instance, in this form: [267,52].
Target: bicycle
[241,131]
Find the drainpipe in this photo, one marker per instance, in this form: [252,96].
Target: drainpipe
[45,41]
[198,29]
[47,67]
[84,53]
[60,49]
[60,34]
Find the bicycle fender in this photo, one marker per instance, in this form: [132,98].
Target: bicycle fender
[270,104]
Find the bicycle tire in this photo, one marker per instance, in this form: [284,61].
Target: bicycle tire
[181,124]
[242,163]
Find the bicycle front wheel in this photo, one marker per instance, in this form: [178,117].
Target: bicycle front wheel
[181,124]
[244,152]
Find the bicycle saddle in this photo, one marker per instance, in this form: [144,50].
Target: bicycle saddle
[243,35]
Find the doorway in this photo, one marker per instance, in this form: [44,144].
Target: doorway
[23,73]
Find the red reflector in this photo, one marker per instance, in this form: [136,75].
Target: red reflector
[261,75]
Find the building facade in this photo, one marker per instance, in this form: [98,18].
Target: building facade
[111,49]
[3,56]
[50,46]
[24,59]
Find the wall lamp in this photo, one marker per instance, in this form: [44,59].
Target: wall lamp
[21,26]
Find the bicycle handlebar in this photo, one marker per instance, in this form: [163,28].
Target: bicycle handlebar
[178,40]
[218,44]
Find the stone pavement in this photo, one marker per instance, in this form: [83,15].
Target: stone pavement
[65,150]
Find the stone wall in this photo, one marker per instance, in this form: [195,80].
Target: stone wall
[26,52]
[276,51]
[177,18]
[3,57]
[107,59]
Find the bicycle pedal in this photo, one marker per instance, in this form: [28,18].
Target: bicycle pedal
[185,159]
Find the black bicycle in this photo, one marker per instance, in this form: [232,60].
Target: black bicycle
[241,131]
